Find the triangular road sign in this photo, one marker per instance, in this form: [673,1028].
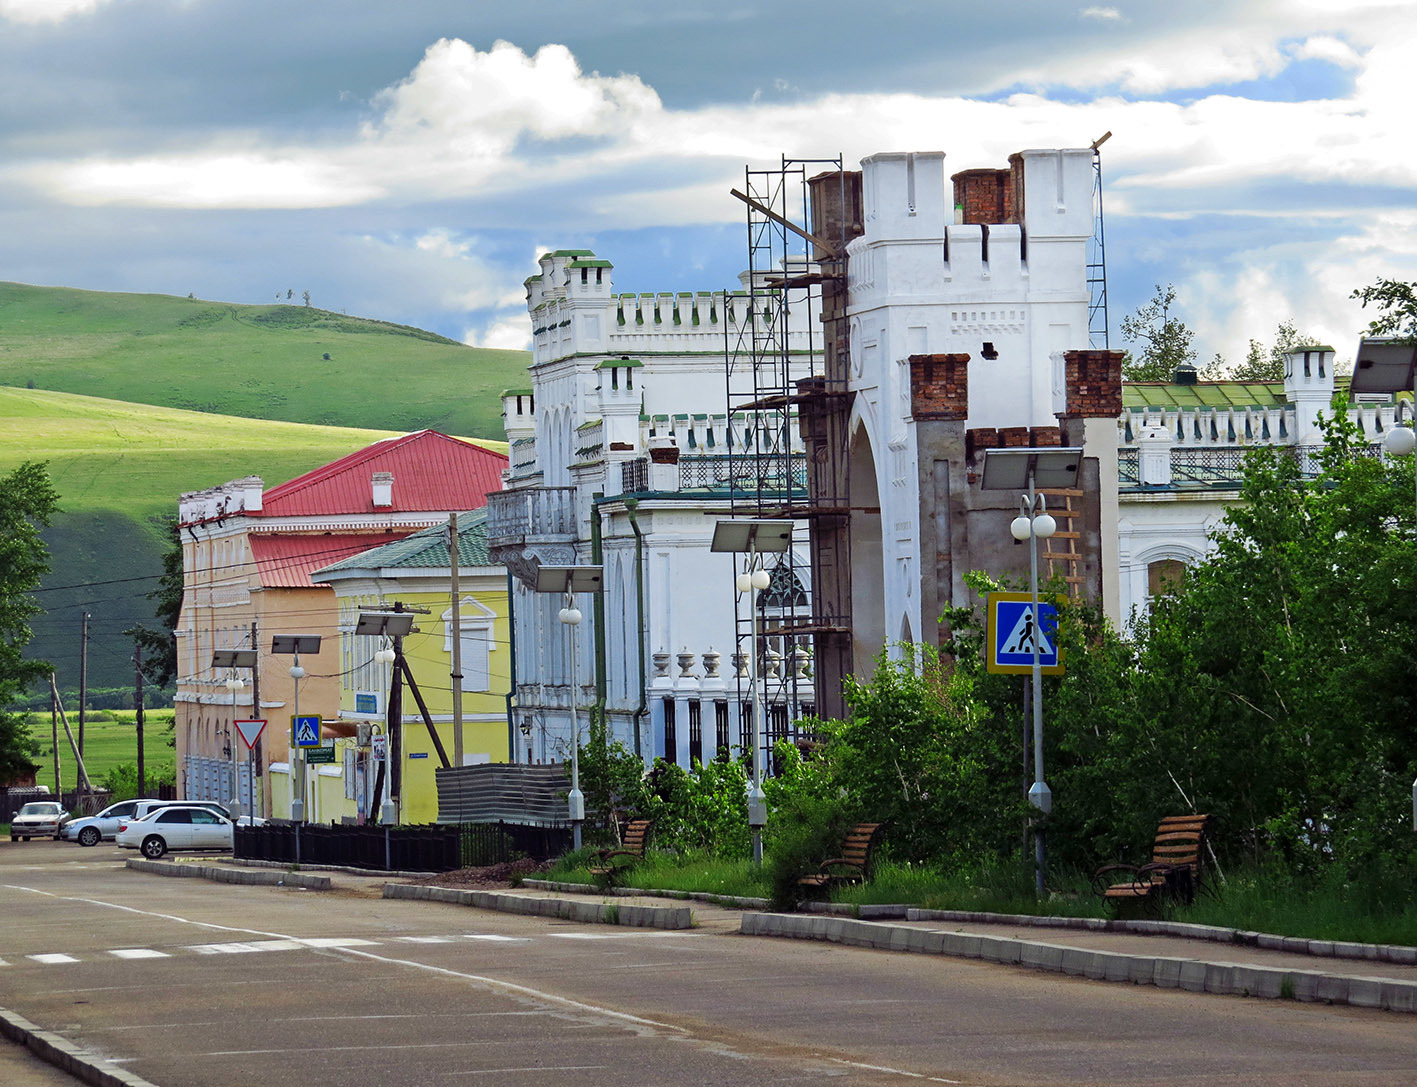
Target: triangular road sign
[250,731]
[1020,639]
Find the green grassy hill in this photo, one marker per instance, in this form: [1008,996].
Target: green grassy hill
[195,394]
[119,469]
[290,363]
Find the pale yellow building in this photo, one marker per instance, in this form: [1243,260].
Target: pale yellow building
[247,556]
[415,575]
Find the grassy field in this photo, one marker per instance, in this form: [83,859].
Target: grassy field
[279,362]
[108,742]
[133,399]
[119,469]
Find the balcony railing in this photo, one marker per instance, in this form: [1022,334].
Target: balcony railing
[720,473]
[512,516]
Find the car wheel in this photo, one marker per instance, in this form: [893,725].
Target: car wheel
[89,836]
[153,847]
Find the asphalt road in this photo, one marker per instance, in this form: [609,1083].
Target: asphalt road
[186,982]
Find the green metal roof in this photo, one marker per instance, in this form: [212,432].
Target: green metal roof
[584,262]
[1204,394]
[610,364]
[514,392]
[427,550]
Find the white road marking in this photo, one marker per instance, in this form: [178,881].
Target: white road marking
[138,953]
[330,941]
[247,947]
[425,939]
[497,939]
[536,1068]
[893,1071]
[493,984]
[51,960]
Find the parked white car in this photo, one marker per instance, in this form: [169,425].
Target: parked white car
[37,819]
[92,829]
[177,826]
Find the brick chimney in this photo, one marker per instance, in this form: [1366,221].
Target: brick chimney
[1094,384]
[939,387]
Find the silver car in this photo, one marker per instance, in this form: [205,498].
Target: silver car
[92,829]
[37,819]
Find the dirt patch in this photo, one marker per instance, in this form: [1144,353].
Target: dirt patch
[492,876]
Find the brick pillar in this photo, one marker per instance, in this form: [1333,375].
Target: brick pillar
[986,196]
[1094,384]
[939,387]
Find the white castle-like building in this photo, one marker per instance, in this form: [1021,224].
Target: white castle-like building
[954,318]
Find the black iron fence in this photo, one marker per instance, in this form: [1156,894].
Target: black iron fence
[435,848]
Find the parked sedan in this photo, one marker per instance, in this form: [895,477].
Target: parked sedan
[176,826]
[92,829]
[37,819]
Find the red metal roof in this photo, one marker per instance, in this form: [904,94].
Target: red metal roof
[431,472]
[285,561]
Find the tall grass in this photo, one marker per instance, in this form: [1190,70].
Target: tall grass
[1327,908]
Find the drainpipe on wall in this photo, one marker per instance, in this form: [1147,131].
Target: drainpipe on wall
[597,556]
[631,505]
[512,669]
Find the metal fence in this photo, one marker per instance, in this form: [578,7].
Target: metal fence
[436,848]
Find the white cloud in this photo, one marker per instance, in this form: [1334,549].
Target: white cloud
[46,11]
[1101,14]
[510,334]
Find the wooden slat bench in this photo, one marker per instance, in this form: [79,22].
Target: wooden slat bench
[855,864]
[1174,871]
[632,849]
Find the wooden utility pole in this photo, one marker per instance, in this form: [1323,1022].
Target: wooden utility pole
[394,727]
[257,766]
[453,563]
[54,732]
[83,676]
[138,709]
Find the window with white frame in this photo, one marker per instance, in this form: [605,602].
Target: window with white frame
[476,642]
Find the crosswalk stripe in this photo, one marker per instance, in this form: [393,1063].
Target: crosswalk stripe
[51,960]
[138,953]
[497,939]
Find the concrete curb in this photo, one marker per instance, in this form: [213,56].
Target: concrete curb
[347,869]
[596,913]
[1396,954]
[65,1055]
[228,875]
[708,897]
[1193,975]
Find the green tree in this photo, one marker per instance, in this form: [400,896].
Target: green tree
[27,502]
[159,644]
[1267,363]
[1164,341]
[1397,305]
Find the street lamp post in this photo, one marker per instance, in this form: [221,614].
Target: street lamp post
[1030,469]
[293,645]
[756,538]
[569,580]
[236,658]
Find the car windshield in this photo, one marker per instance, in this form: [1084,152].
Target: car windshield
[39,809]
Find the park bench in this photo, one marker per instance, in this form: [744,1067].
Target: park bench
[855,864]
[1173,874]
[632,849]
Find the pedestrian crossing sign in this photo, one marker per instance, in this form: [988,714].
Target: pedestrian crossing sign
[305,731]
[1011,630]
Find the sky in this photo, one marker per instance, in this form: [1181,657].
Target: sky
[409,161]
